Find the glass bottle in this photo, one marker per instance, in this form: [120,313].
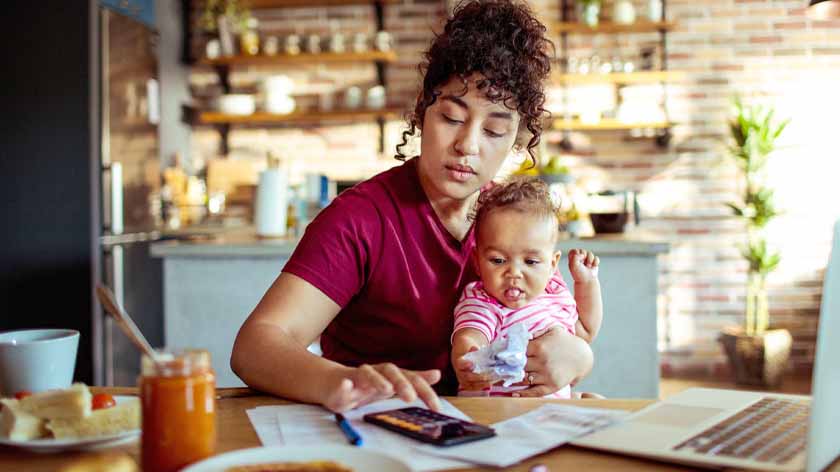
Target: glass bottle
[249,38]
[178,395]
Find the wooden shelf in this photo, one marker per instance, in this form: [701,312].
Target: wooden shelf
[608,27]
[641,77]
[303,58]
[605,124]
[265,4]
[304,117]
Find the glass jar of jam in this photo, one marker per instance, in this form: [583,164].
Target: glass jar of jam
[178,394]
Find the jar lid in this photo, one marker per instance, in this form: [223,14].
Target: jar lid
[176,363]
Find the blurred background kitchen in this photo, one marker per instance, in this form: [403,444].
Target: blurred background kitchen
[175,150]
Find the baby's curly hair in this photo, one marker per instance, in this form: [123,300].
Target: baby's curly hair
[523,194]
[504,42]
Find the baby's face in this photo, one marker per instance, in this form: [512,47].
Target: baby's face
[515,255]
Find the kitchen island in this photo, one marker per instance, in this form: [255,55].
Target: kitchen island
[210,287]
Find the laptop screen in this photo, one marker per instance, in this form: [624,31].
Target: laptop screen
[823,440]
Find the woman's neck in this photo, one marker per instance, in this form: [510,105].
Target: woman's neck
[454,214]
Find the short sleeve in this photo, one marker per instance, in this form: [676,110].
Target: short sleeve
[475,311]
[335,252]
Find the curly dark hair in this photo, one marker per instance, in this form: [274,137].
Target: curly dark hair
[524,194]
[504,42]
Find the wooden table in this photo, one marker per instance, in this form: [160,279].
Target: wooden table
[235,432]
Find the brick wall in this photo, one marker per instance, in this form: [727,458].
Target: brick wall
[766,50]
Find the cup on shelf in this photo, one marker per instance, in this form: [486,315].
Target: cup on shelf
[236,104]
[291,45]
[654,10]
[280,105]
[271,46]
[360,42]
[623,12]
[313,44]
[213,49]
[336,43]
[352,97]
[326,101]
[375,99]
[383,41]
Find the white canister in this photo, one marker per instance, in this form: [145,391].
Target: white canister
[271,204]
[624,12]
[655,10]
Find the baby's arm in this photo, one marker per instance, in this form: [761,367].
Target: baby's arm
[475,322]
[463,341]
[583,265]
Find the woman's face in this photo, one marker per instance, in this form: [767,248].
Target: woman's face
[465,139]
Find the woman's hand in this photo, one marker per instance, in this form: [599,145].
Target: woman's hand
[555,359]
[369,383]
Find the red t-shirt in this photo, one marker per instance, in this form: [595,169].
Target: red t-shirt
[381,253]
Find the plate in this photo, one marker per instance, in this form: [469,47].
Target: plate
[357,458]
[76,444]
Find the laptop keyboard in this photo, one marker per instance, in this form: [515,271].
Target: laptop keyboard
[770,430]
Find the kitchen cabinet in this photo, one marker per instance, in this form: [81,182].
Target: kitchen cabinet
[225,65]
[567,78]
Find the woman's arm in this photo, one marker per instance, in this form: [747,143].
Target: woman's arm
[270,354]
[555,359]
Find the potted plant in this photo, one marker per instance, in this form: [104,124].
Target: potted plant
[571,221]
[225,19]
[757,354]
[554,172]
[234,10]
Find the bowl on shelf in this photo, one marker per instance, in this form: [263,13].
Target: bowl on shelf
[608,223]
[236,104]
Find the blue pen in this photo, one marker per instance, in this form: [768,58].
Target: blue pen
[352,436]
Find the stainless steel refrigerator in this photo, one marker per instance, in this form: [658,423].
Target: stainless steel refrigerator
[130,184]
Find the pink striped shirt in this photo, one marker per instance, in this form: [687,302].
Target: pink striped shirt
[479,310]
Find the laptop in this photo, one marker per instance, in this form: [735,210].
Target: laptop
[751,430]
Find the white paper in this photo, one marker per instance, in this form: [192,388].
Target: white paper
[530,434]
[308,424]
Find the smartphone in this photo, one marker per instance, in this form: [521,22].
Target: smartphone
[429,426]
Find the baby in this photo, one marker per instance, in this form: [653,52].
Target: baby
[516,232]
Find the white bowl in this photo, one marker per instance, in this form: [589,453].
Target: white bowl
[37,360]
[236,104]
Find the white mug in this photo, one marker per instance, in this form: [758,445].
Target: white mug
[375,98]
[353,97]
[36,360]
[383,41]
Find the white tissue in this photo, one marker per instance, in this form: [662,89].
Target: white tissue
[504,359]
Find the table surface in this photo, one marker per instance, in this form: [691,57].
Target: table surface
[235,432]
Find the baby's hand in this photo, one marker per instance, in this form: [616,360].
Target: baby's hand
[583,265]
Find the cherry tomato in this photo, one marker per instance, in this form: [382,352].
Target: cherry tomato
[22,394]
[102,400]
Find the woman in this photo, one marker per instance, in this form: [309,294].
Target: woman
[379,271]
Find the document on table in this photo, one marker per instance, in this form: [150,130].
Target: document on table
[278,425]
[530,434]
